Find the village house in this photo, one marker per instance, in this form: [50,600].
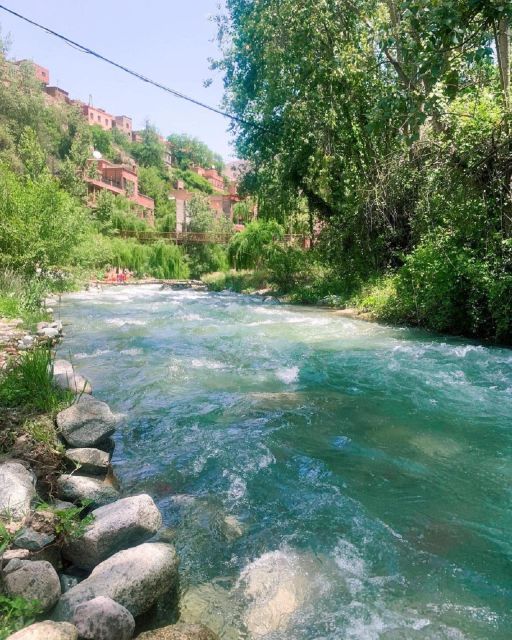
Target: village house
[123,124]
[121,180]
[58,94]
[211,175]
[41,74]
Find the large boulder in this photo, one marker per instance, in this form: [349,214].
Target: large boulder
[116,526]
[65,377]
[135,578]
[89,460]
[103,619]
[47,630]
[32,580]
[17,490]
[77,488]
[180,631]
[86,423]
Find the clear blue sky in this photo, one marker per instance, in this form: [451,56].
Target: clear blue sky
[167,40]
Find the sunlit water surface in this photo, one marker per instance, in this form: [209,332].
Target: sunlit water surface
[324,478]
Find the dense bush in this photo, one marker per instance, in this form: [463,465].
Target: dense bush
[252,248]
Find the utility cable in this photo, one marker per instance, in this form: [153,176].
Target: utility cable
[91,52]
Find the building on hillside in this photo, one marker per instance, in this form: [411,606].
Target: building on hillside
[121,180]
[41,74]
[221,204]
[124,124]
[211,175]
[97,116]
[58,94]
[136,136]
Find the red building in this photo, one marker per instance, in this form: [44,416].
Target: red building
[41,73]
[212,175]
[122,180]
[58,94]
[124,124]
[98,116]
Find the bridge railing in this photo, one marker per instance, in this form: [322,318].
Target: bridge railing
[193,237]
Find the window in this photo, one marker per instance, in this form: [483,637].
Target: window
[91,115]
[99,118]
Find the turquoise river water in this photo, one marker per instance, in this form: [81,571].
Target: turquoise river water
[321,477]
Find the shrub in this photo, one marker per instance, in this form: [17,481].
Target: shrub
[29,383]
[16,613]
[252,248]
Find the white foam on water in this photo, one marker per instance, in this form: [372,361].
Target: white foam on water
[204,363]
[288,375]
[132,352]
[119,322]
[95,354]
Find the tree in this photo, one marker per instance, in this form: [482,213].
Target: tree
[149,152]
[189,151]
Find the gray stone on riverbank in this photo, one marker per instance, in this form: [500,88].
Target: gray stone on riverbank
[103,619]
[180,631]
[86,423]
[47,630]
[89,460]
[65,377]
[32,540]
[116,526]
[17,490]
[32,580]
[77,488]
[135,578]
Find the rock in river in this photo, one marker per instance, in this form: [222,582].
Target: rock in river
[180,631]
[103,619]
[76,488]
[135,578]
[89,460]
[116,526]
[47,630]
[65,377]
[87,422]
[17,489]
[32,580]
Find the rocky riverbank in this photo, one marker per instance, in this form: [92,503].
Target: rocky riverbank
[87,561]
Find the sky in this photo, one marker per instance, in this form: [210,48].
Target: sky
[167,40]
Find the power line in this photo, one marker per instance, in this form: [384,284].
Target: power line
[91,52]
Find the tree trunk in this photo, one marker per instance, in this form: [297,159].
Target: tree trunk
[502,38]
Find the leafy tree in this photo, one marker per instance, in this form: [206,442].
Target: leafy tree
[149,152]
[102,140]
[188,151]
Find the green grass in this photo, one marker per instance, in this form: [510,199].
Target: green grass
[238,281]
[29,384]
[16,613]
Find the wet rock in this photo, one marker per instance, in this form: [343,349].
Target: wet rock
[77,488]
[65,377]
[89,460]
[86,423]
[122,524]
[47,630]
[180,631]
[49,333]
[32,540]
[67,582]
[135,578]
[103,619]
[42,325]
[33,581]
[17,490]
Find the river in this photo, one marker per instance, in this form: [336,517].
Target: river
[322,477]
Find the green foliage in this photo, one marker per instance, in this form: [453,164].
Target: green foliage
[29,383]
[238,281]
[149,152]
[39,222]
[70,523]
[16,613]
[157,185]
[159,259]
[254,246]
[188,151]
[102,141]
[193,181]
